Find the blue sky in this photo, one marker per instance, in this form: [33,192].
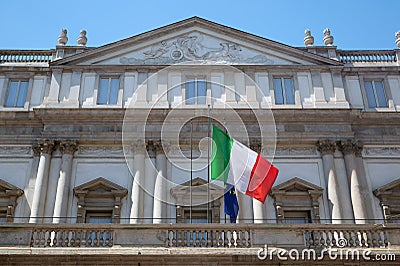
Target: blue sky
[354,24]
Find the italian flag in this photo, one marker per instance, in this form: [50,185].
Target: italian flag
[240,166]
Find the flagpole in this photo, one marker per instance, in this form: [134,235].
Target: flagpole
[208,167]
[191,167]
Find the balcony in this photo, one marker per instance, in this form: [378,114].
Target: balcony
[117,244]
[200,235]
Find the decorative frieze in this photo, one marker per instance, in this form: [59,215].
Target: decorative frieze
[255,145]
[288,151]
[138,146]
[14,150]
[99,151]
[381,152]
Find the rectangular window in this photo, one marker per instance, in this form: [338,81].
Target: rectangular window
[196,91]
[3,216]
[108,91]
[98,217]
[395,216]
[284,91]
[17,91]
[297,217]
[376,95]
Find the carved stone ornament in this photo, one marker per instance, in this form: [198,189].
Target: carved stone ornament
[255,145]
[15,150]
[68,147]
[382,151]
[114,151]
[158,147]
[328,39]
[397,34]
[82,39]
[192,47]
[36,150]
[46,146]
[138,146]
[348,147]
[326,146]
[63,39]
[308,39]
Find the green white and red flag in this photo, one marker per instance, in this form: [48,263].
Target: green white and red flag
[235,164]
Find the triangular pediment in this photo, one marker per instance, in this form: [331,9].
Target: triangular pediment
[296,185]
[392,188]
[7,189]
[198,184]
[194,40]
[100,186]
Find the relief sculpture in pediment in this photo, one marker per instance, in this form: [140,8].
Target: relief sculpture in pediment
[193,48]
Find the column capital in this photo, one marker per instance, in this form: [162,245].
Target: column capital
[161,146]
[255,145]
[326,146]
[46,146]
[68,146]
[36,150]
[350,147]
[150,147]
[138,146]
[158,147]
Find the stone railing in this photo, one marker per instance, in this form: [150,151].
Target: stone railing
[200,235]
[367,56]
[365,236]
[65,236]
[209,236]
[25,56]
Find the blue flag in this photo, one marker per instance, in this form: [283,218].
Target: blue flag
[231,203]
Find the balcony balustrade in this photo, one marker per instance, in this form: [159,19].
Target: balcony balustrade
[201,235]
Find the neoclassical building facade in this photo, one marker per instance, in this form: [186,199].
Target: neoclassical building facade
[106,147]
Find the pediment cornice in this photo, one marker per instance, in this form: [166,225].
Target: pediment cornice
[168,44]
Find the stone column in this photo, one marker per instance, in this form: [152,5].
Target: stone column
[54,173]
[136,213]
[149,182]
[159,208]
[357,182]
[245,208]
[327,149]
[343,188]
[258,207]
[68,149]
[39,194]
